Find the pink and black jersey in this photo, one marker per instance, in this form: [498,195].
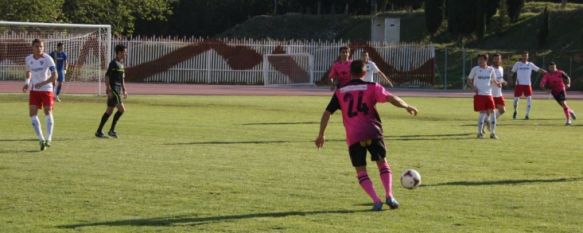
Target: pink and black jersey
[341,71]
[357,100]
[554,81]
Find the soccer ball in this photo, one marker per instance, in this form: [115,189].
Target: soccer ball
[410,179]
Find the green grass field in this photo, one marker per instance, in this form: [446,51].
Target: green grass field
[248,164]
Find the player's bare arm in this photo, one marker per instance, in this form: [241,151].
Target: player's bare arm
[123,88]
[323,124]
[108,87]
[567,79]
[386,78]
[26,81]
[400,103]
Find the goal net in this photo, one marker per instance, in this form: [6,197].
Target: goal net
[88,48]
[288,69]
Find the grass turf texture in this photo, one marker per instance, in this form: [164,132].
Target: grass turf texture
[248,164]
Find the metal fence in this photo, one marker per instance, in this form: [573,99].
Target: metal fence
[453,65]
[239,61]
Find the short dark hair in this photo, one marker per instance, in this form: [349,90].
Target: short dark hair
[357,68]
[36,41]
[343,48]
[496,55]
[524,52]
[119,48]
[483,55]
[59,44]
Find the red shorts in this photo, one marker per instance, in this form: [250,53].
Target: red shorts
[41,98]
[483,103]
[499,101]
[520,90]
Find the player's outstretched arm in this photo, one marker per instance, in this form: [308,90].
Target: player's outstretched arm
[398,102]
[386,78]
[323,124]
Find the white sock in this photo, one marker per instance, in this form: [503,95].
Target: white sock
[481,119]
[50,124]
[37,128]
[498,114]
[515,103]
[528,104]
[493,123]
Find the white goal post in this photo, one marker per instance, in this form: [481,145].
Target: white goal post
[88,48]
[288,69]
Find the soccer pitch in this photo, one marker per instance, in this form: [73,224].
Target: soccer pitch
[248,164]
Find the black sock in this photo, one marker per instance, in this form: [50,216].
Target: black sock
[104,119]
[115,119]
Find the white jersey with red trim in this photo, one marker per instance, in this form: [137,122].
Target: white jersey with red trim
[524,71]
[499,72]
[482,79]
[41,69]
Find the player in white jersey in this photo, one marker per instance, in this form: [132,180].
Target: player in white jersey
[40,76]
[482,77]
[497,89]
[523,70]
[372,69]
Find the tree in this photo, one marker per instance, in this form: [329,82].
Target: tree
[543,33]
[121,14]
[24,10]
[434,12]
[461,17]
[514,8]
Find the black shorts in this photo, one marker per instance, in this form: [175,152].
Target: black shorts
[376,148]
[559,97]
[114,100]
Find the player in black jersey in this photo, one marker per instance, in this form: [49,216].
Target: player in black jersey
[114,82]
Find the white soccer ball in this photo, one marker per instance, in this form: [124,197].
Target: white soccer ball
[410,179]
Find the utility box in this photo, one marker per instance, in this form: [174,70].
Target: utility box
[385,29]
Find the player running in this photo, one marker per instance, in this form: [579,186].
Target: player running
[40,75]
[555,81]
[115,84]
[340,71]
[60,57]
[364,132]
[482,77]
[523,70]
[372,69]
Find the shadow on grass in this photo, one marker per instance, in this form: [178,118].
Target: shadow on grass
[415,137]
[228,142]
[504,182]
[18,151]
[186,220]
[431,137]
[285,123]
[17,140]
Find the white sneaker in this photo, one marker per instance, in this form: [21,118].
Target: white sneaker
[57,98]
[569,122]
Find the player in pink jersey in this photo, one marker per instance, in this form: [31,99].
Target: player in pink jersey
[40,76]
[555,80]
[482,78]
[357,100]
[340,72]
